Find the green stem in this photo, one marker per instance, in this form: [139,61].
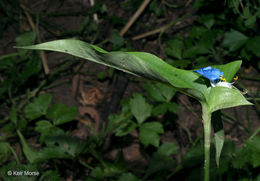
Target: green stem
[14,153]
[255,133]
[206,116]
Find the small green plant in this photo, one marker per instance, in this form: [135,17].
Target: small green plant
[212,98]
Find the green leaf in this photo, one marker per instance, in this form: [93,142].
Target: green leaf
[59,145]
[150,66]
[254,144]
[161,159]
[234,40]
[250,22]
[223,97]
[193,157]
[207,20]
[137,63]
[7,61]
[8,128]
[179,63]
[97,173]
[173,107]
[197,31]
[13,115]
[159,92]
[5,152]
[248,154]
[229,69]
[208,39]
[149,133]
[218,133]
[31,67]
[112,170]
[101,75]
[125,128]
[128,177]
[50,175]
[160,109]
[255,159]
[51,131]
[258,177]
[168,148]
[38,107]
[43,126]
[195,51]
[174,48]
[154,7]
[163,107]
[117,40]
[253,45]
[140,108]
[243,156]
[60,113]
[29,153]
[25,39]
[48,153]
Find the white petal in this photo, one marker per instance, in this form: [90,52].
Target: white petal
[224,84]
[213,84]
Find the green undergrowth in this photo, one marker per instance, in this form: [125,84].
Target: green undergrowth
[36,133]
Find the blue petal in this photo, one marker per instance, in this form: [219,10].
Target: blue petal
[213,74]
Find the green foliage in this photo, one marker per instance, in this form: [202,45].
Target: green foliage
[42,126]
[18,169]
[150,66]
[27,38]
[29,153]
[162,160]
[38,107]
[154,7]
[159,92]
[174,48]
[116,40]
[5,152]
[218,134]
[234,40]
[60,113]
[128,177]
[149,133]
[140,108]
[50,175]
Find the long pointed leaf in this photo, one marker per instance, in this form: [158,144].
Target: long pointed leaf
[29,153]
[138,63]
[150,66]
[218,133]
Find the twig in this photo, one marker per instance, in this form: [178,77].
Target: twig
[149,33]
[134,17]
[160,30]
[76,79]
[42,53]
[188,3]
[95,16]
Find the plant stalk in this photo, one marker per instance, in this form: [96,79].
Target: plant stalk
[206,116]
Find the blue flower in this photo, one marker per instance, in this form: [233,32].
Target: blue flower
[213,74]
